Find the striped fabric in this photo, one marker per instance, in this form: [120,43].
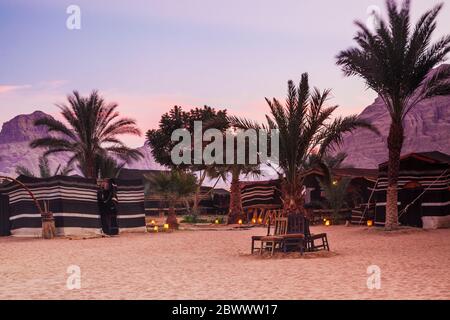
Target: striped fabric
[73,202]
[261,194]
[419,178]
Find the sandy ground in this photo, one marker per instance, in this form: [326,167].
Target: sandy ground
[216,265]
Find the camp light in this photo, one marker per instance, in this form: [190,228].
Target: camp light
[166,226]
[260,220]
[155,228]
[240,221]
[370,223]
[153,222]
[254,221]
[327,223]
[217,221]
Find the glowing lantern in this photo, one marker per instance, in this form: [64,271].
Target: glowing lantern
[240,221]
[327,223]
[260,220]
[335,182]
[155,228]
[166,226]
[217,221]
[153,222]
[253,220]
[370,223]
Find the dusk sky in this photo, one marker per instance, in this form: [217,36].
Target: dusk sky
[150,55]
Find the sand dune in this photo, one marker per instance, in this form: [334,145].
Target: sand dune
[216,265]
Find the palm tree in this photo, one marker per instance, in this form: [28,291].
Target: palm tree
[92,131]
[44,169]
[398,63]
[175,187]
[304,128]
[108,167]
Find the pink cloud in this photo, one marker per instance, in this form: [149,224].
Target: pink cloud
[11,88]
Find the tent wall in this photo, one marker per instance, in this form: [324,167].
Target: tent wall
[131,211]
[260,195]
[73,202]
[5,228]
[433,206]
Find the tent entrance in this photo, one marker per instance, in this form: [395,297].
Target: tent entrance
[413,216]
[5,227]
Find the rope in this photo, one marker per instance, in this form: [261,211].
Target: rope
[368,201]
[428,188]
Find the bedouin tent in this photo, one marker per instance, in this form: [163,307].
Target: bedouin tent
[423,191]
[73,202]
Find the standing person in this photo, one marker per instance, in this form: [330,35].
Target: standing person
[102,195]
[112,205]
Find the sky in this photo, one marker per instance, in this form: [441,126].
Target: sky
[149,55]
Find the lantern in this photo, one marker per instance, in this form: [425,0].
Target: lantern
[240,221]
[327,223]
[155,228]
[370,223]
[152,222]
[166,226]
[254,221]
[217,221]
[260,220]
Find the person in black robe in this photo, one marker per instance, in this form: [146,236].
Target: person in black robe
[102,195]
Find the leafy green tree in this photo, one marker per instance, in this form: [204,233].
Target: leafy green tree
[397,61]
[160,140]
[92,131]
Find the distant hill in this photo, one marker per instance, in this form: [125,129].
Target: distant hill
[427,128]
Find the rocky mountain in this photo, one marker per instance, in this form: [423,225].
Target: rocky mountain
[16,136]
[427,128]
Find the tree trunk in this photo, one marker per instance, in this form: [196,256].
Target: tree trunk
[172,218]
[293,200]
[236,212]
[395,143]
[195,209]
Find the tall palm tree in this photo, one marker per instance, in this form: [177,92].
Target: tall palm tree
[44,169]
[92,130]
[398,62]
[305,128]
[175,187]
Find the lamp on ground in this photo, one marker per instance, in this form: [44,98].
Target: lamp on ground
[166,226]
[240,221]
[328,223]
[155,228]
[370,223]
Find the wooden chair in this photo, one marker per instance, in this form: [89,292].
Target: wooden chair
[295,237]
[311,238]
[276,240]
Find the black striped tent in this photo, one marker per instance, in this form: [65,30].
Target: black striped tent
[423,191]
[261,196]
[73,202]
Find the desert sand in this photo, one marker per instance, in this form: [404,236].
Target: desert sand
[216,265]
